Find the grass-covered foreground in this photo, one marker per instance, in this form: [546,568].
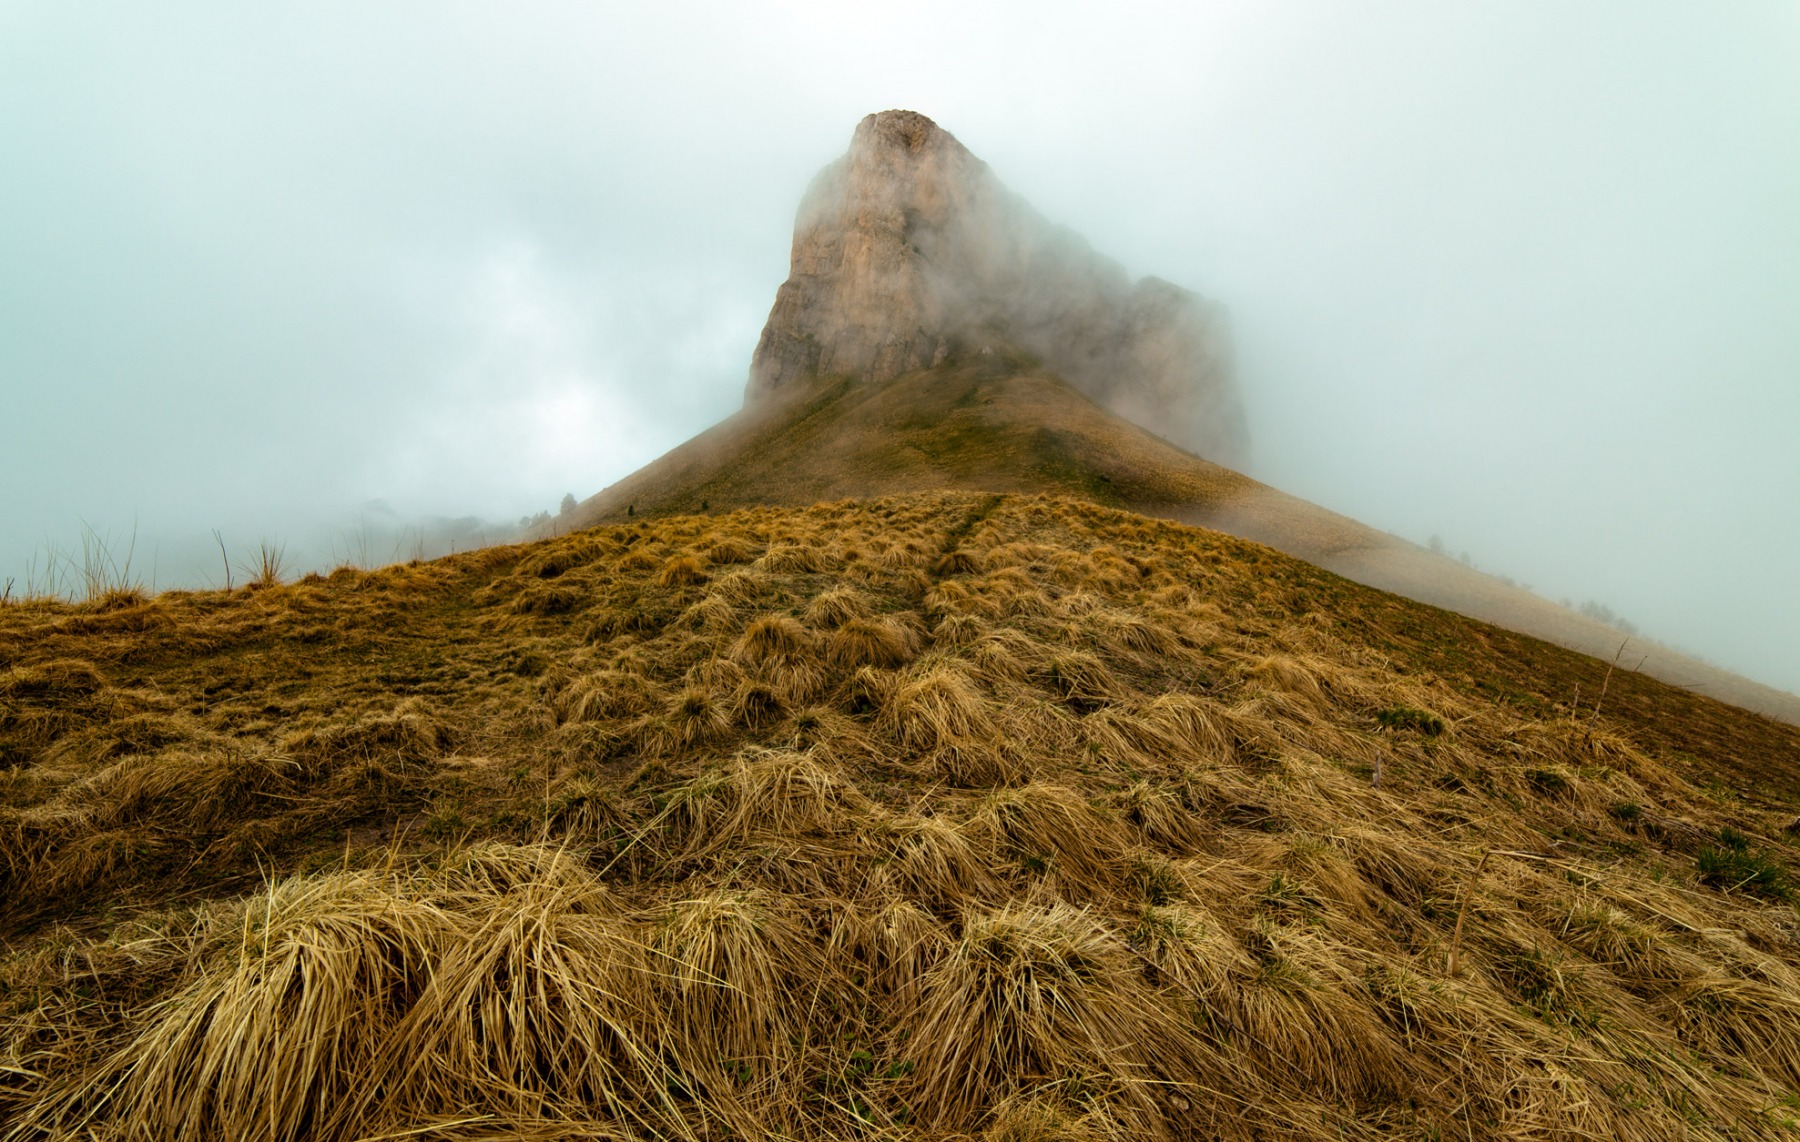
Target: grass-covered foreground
[933,816]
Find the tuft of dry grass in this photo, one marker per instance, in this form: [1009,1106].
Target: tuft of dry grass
[782,654]
[694,717]
[728,549]
[772,639]
[1079,679]
[833,608]
[794,558]
[681,571]
[886,643]
[605,695]
[1047,998]
[1051,829]
[939,716]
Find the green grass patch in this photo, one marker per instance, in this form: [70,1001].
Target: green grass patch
[1407,718]
[1734,865]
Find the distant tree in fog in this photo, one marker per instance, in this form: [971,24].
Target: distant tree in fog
[1599,611]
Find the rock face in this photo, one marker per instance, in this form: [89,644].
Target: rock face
[908,250]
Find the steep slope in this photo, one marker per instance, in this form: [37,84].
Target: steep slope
[936,333]
[932,816]
[995,422]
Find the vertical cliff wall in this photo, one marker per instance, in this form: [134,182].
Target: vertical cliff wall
[908,249]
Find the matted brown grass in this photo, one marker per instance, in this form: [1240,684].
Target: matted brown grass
[933,816]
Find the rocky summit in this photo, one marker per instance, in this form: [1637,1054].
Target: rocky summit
[909,252]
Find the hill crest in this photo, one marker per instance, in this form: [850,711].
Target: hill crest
[996,422]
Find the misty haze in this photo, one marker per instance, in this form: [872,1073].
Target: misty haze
[1520,280]
[984,573]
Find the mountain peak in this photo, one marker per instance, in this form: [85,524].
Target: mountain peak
[908,250]
[907,129]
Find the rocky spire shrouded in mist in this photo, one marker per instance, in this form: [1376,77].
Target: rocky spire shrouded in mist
[908,250]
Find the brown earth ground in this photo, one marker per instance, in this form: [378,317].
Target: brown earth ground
[993,424]
[941,815]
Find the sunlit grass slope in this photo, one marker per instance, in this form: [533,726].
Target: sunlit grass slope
[943,815]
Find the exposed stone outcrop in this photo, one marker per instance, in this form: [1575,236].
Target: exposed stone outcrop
[907,249]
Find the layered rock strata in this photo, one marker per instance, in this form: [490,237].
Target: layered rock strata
[908,250]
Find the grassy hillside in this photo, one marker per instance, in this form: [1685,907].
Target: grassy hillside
[995,423]
[990,423]
[935,816]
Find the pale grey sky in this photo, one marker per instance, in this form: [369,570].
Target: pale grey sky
[1522,275]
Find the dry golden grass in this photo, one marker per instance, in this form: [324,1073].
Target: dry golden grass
[934,816]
